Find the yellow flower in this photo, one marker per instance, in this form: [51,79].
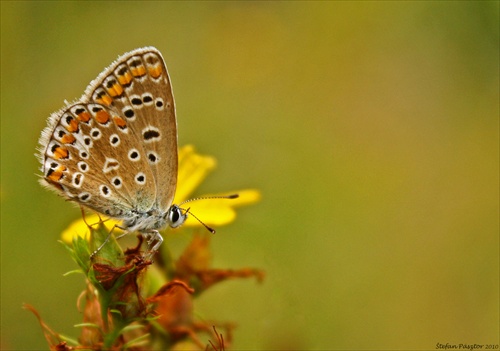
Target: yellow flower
[193,169]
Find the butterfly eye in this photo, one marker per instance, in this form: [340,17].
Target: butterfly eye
[175,216]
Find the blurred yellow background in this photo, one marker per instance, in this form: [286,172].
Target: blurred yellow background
[371,128]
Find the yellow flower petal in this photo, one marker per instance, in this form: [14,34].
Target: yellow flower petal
[193,169]
[211,216]
[80,228]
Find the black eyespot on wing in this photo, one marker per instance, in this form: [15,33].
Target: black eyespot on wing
[151,134]
[129,113]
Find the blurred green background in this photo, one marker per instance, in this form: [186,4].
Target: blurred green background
[371,128]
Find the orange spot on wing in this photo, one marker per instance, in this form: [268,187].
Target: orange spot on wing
[155,71]
[138,71]
[105,100]
[72,126]
[68,139]
[102,117]
[125,78]
[84,116]
[115,90]
[61,152]
[120,122]
[57,174]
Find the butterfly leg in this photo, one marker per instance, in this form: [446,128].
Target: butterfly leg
[154,240]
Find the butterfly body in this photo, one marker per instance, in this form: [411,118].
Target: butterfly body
[115,149]
[153,219]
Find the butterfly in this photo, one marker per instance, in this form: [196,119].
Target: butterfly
[114,150]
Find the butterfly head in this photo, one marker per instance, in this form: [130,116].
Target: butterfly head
[176,216]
